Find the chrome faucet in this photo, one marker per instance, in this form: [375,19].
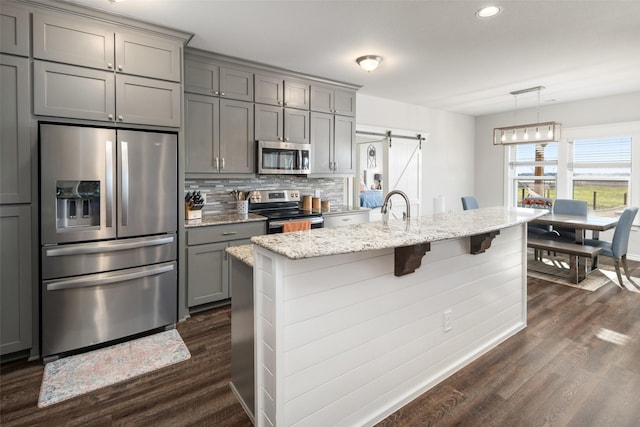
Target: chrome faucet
[383,209]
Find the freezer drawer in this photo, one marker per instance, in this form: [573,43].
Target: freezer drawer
[87,258]
[82,311]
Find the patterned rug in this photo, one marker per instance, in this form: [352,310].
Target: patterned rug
[75,375]
[556,270]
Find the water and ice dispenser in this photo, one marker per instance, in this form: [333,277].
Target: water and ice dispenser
[78,204]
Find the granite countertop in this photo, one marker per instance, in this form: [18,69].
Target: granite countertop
[243,252]
[394,233]
[223,219]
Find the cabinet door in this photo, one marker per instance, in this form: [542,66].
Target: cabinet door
[269,90]
[207,274]
[345,102]
[321,141]
[296,126]
[237,143]
[201,77]
[144,55]
[14,30]
[146,101]
[75,92]
[322,99]
[15,279]
[202,127]
[72,40]
[269,123]
[296,94]
[343,144]
[236,84]
[15,141]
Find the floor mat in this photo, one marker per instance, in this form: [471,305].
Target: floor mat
[75,375]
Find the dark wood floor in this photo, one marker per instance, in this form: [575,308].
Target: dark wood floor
[556,372]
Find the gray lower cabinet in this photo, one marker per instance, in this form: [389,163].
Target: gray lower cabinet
[92,43]
[15,279]
[208,262]
[84,93]
[15,141]
[281,124]
[219,135]
[332,140]
[14,30]
[343,219]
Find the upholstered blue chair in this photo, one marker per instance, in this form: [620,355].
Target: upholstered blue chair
[617,248]
[469,202]
[569,207]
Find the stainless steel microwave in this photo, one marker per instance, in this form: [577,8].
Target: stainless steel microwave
[286,158]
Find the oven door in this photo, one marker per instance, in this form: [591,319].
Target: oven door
[275,226]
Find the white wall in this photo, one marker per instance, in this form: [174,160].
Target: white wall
[489,159]
[447,156]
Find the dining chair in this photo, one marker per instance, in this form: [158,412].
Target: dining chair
[617,248]
[569,207]
[538,230]
[469,202]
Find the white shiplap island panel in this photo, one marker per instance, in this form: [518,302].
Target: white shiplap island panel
[341,341]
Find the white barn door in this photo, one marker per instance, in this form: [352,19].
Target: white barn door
[404,169]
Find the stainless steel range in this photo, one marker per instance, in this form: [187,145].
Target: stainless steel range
[108,224]
[281,206]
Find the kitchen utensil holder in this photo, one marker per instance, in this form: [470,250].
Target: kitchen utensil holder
[242,207]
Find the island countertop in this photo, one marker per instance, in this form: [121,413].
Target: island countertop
[394,233]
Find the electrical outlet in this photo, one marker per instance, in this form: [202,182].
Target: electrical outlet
[447,320]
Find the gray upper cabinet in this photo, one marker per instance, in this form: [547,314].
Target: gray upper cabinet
[15,141]
[281,124]
[90,43]
[14,30]
[330,100]
[332,139]
[213,79]
[83,93]
[15,279]
[276,90]
[143,55]
[219,136]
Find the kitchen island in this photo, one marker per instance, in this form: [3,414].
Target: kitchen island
[342,339]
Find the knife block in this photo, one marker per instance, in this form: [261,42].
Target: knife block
[192,214]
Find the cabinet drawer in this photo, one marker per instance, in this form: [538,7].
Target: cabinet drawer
[224,233]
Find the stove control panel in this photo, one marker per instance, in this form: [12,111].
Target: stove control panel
[270,196]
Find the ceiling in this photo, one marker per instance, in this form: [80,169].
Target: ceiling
[436,53]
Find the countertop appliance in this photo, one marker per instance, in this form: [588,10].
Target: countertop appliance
[280,206]
[283,158]
[108,227]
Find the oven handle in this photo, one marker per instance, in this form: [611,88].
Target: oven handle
[278,224]
[81,282]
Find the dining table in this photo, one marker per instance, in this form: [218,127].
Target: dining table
[580,224]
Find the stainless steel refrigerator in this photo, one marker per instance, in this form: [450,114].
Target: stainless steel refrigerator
[108,233]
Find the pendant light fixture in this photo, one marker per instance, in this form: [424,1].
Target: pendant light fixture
[369,62]
[520,134]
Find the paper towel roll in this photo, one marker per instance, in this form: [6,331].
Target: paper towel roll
[438,205]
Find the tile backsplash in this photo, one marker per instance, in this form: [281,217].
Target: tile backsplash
[219,201]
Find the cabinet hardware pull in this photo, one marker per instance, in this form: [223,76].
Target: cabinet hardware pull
[223,163]
[221,93]
[109,65]
[120,118]
[229,233]
[215,92]
[120,67]
[217,164]
[110,116]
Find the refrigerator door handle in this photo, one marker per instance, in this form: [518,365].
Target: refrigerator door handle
[98,248]
[125,182]
[80,282]
[109,183]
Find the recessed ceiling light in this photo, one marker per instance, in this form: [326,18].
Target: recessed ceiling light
[488,12]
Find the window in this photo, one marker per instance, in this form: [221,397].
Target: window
[598,164]
[600,173]
[533,171]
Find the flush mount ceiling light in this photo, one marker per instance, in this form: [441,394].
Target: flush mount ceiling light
[488,12]
[369,62]
[538,132]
